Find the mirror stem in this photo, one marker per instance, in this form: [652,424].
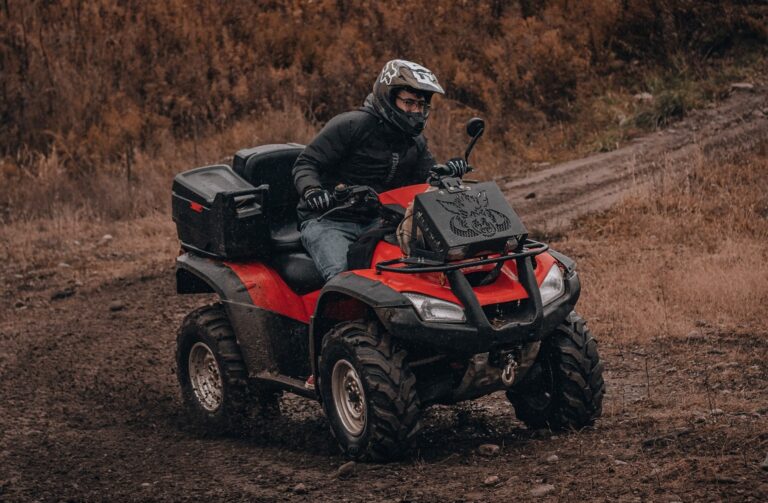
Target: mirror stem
[472,144]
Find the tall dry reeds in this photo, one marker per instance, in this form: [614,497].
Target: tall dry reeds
[100,88]
[96,79]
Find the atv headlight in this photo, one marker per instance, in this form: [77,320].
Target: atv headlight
[432,309]
[553,285]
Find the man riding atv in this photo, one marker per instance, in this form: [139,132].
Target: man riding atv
[381,145]
[470,307]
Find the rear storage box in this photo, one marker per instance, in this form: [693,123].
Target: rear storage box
[219,214]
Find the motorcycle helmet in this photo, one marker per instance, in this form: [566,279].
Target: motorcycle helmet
[401,74]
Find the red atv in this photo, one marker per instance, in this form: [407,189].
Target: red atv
[474,308]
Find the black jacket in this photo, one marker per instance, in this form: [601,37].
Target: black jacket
[360,148]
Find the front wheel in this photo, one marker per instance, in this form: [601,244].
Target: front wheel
[368,392]
[565,388]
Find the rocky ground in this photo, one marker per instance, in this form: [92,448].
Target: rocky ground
[89,407]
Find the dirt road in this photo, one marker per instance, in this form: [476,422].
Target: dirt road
[552,197]
[89,407]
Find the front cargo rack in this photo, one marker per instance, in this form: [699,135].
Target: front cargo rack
[418,265]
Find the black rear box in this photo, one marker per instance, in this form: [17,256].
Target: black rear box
[219,214]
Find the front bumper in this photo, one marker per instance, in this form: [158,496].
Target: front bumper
[478,334]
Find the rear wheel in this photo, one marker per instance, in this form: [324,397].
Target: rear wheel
[368,392]
[212,373]
[565,388]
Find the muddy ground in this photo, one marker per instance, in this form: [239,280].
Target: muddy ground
[89,407]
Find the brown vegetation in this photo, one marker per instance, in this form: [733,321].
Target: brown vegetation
[89,89]
[685,253]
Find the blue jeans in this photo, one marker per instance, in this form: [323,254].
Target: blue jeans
[327,242]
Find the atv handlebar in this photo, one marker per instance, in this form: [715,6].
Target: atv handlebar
[351,196]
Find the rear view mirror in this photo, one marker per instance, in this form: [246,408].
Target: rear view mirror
[475,126]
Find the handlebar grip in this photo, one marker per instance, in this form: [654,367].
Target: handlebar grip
[440,170]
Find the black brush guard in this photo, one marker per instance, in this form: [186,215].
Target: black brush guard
[478,333]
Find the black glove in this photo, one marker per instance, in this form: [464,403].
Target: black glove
[318,199]
[458,167]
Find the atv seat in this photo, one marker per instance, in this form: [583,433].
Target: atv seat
[273,165]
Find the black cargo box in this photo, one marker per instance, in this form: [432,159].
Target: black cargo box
[467,221]
[219,214]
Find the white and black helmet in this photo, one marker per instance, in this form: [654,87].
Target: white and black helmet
[401,74]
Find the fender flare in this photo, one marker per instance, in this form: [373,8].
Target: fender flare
[196,274]
[202,275]
[359,293]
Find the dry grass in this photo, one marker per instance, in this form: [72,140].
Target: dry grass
[119,191]
[686,252]
[93,80]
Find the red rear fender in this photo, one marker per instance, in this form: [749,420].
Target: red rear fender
[268,291]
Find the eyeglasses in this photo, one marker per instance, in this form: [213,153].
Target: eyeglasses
[411,104]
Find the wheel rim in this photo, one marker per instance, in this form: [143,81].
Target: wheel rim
[349,397]
[205,377]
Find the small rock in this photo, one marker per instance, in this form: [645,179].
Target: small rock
[542,490]
[717,412]
[145,484]
[670,370]
[764,464]
[106,238]
[64,265]
[552,459]
[530,195]
[346,469]
[616,65]
[63,294]
[645,97]
[619,462]
[116,306]
[488,450]
[742,86]
[491,481]
[300,488]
